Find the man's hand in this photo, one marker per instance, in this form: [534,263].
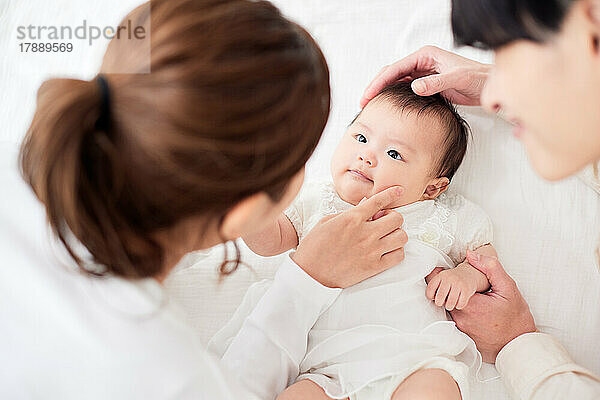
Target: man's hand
[494,318]
[433,70]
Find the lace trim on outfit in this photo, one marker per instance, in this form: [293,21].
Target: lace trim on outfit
[329,197]
[434,230]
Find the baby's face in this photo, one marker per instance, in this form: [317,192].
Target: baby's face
[386,147]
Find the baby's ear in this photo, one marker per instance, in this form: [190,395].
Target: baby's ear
[435,187]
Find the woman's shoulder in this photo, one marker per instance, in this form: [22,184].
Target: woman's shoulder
[112,329]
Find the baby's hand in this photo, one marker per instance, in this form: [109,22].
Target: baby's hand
[453,287]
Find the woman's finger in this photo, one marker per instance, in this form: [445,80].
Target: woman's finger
[388,223]
[393,241]
[392,258]
[378,202]
[380,214]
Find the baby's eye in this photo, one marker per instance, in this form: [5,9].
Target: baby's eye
[394,154]
[361,138]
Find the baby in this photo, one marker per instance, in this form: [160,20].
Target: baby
[385,338]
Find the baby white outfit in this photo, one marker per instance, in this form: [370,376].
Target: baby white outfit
[378,332]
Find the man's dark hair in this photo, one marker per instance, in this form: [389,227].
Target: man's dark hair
[490,24]
[454,145]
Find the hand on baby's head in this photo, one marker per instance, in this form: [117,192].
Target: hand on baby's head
[402,139]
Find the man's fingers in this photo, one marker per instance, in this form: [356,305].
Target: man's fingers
[477,305]
[500,281]
[463,316]
[390,74]
[380,201]
[432,84]
[459,318]
[463,300]
[368,91]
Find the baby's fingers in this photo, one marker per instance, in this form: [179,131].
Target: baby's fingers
[433,274]
[432,287]
[452,298]
[442,293]
[463,300]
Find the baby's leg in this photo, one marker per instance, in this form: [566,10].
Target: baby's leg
[303,390]
[428,384]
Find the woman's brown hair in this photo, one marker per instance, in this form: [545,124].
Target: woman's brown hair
[235,104]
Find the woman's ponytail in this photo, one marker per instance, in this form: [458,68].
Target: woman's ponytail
[70,160]
[137,166]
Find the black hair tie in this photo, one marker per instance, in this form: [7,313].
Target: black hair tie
[103,121]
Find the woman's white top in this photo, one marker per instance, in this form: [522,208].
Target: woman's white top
[65,335]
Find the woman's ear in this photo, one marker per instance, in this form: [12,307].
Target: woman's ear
[435,187]
[246,215]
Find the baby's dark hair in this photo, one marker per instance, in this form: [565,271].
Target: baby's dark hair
[401,95]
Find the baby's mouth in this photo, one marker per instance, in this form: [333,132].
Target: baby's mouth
[360,175]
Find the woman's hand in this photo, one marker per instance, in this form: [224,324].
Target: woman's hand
[347,248]
[494,318]
[434,70]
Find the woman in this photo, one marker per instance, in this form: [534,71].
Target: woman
[546,80]
[135,170]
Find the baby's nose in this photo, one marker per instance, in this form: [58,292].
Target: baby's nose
[370,161]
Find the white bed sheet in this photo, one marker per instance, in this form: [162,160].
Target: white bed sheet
[545,233]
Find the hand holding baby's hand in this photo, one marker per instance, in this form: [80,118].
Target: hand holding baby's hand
[453,287]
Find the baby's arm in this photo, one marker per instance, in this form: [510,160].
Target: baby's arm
[278,237]
[454,287]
